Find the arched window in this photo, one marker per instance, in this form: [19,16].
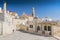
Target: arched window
[45,28]
[38,28]
[31,26]
[49,28]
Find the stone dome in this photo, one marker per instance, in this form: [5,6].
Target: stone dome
[46,19]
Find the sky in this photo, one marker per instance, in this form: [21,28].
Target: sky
[43,8]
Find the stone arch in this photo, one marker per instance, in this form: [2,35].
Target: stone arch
[38,28]
[49,28]
[45,28]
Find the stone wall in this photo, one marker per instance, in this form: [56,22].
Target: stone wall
[7,29]
[1,16]
[56,30]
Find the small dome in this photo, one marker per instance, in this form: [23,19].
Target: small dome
[35,17]
[46,19]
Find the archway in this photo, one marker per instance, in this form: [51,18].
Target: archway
[49,29]
[38,28]
[45,28]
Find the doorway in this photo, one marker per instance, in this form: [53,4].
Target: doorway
[38,28]
[49,29]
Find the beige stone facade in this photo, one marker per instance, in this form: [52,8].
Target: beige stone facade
[42,28]
[36,25]
[8,21]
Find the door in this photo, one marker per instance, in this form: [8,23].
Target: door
[45,29]
[49,29]
[38,28]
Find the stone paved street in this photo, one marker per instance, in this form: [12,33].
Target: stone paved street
[24,36]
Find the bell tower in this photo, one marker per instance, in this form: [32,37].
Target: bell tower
[33,12]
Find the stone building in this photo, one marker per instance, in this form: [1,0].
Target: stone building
[26,18]
[46,26]
[7,21]
[15,19]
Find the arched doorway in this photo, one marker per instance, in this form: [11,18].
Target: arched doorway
[45,28]
[49,29]
[38,28]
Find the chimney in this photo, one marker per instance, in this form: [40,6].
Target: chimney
[4,7]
